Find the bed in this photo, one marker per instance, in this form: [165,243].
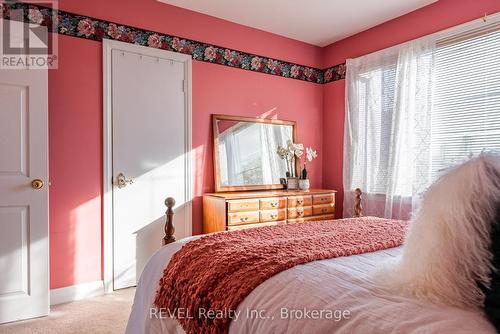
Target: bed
[335,295]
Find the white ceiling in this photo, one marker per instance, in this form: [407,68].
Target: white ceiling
[318,22]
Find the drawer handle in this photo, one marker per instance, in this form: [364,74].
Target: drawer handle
[243,219]
[274,204]
[324,210]
[300,213]
[300,201]
[274,216]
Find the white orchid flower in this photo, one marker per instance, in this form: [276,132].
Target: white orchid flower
[295,149]
[311,154]
[282,152]
[299,150]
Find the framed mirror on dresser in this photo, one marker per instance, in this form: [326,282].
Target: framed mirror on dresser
[247,173]
[245,155]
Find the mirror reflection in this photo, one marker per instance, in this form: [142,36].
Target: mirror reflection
[247,152]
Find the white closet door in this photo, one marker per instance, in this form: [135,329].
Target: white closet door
[24,253]
[149,148]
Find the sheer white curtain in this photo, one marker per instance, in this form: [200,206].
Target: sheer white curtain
[387,147]
[272,136]
[231,173]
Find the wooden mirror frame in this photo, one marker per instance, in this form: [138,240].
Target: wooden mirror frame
[218,186]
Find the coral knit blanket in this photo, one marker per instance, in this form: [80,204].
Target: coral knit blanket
[218,271]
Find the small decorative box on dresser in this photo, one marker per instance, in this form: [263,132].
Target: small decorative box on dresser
[231,211]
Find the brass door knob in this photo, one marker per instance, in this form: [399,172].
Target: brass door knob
[37,184]
[122,181]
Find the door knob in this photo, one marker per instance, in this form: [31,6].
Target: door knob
[37,184]
[122,181]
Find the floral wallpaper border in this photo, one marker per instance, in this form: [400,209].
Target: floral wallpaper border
[70,24]
[334,73]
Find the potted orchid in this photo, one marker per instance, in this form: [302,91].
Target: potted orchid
[304,183]
[289,154]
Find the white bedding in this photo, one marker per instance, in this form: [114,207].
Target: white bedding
[322,290]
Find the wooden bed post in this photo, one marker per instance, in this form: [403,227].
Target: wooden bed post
[357,203]
[169,224]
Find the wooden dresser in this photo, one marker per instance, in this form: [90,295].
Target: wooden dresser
[231,211]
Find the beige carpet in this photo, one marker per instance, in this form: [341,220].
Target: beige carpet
[106,314]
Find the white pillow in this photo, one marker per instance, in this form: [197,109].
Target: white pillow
[446,251]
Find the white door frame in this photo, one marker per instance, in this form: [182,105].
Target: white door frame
[107,47]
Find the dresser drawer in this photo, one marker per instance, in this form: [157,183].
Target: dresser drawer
[242,227]
[299,201]
[271,215]
[243,205]
[238,218]
[299,212]
[323,209]
[272,203]
[323,199]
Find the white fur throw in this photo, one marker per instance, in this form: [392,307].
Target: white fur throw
[446,251]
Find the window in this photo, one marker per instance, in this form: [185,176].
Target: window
[464,117]
[417,108]
[466,101]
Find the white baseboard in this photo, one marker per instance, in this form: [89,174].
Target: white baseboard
[76,292]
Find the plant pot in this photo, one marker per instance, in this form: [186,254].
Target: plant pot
[304,184]
[292,183]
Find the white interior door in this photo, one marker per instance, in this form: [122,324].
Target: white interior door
[24,276]
[150,148]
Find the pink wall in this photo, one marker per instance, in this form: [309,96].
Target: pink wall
[427,20]
[75,117]
[333,139]
[75,163]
